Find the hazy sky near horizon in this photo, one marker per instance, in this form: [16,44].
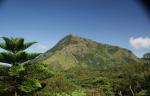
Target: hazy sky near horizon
[117,22]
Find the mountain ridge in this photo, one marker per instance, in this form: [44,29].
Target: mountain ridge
[73,51]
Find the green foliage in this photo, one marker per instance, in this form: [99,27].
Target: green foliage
[142,93]
[99,69]
[15,44]
[57,84]
[82,67]
[74,93]
[30,85]
[93,81]
[16,70]
[146,56]
[21,78]
[38,71]
[3,70]
[7,57]
[113,81]
[16,58]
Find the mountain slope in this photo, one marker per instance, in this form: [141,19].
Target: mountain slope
[74,51]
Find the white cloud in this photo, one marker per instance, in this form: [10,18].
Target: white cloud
[140,42]
[41,46]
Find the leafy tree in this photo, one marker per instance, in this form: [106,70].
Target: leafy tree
[146,56]
[21,78]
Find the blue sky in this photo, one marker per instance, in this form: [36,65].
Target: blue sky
[115,22]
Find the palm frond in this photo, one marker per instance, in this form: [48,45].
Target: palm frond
[33,55]
[28,44]
[21,57]
[7,45]
[3,46]
[19,44]
[7,57]
[15,44]
[6,39]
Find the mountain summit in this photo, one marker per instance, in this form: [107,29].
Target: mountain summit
[74,51]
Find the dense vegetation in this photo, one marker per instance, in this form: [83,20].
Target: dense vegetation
[128,80]
[95,69]
[20,79]
[81,67]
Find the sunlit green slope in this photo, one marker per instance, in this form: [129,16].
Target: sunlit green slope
[74,51]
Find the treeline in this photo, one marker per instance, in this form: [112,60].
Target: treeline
[127,80]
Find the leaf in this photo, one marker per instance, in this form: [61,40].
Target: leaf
[3,46]
[38,71]
[28,44]
[21,57]
[16,70]
[7,57]
[19,44]
[9,44]
[4,71]
[15,44]
[33,55]
[30,85]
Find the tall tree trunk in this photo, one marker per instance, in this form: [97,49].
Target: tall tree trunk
[120,93]
[16,93]
[16,87]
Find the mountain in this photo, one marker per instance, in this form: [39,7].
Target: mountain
[74,51]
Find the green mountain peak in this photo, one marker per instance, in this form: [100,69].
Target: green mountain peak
[74,51]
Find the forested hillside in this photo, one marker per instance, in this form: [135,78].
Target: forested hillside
[74,51]
[74,67]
